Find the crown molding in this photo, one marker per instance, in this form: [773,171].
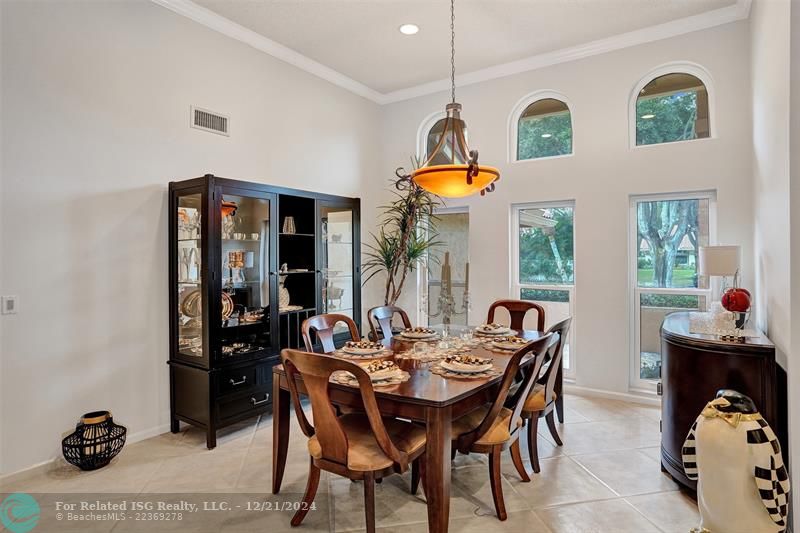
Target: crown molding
[216,22]
[709,19]
[702,21]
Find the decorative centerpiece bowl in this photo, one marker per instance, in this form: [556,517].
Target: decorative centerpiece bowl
[96,440]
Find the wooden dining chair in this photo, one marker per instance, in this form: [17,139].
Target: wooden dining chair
[518,309]
[493,428]
[323,326]
[361,446]
[380,318]
[542,399]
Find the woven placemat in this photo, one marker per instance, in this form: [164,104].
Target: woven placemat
[437,369]
[346,378]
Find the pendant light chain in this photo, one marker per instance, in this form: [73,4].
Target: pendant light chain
[453,50]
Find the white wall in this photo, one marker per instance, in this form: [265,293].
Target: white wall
[600,176]
[770,110]
[774,237]
[95,103]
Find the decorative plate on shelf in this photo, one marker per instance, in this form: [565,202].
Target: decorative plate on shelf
[510,343]
[418,333]
[466,364]
[493,329]
[191,305]
[362,347]
[227,306]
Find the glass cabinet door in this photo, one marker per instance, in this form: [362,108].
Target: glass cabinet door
[338,274]
[190,288]
[246,288]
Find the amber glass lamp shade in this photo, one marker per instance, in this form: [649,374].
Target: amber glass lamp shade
[450,181]
[451,170]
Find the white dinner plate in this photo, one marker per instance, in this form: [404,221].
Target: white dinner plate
[417,335]
[465,369]
[496,331]
[505,345]
[362,351]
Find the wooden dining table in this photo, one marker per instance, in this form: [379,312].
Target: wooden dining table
[426,398]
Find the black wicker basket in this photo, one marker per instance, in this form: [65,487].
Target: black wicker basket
[96,440]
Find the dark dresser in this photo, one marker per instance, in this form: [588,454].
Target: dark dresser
[696,366]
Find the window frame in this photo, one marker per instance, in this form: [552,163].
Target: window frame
[517,111]
[515,286]
[676,67]
[424,130]
[635,383]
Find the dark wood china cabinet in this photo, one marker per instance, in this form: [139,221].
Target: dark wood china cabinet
[248,263]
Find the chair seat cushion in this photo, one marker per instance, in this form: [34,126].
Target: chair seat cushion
[363,453]
[535,401]
[497,434]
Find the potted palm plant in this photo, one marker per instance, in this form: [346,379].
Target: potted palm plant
[407,233]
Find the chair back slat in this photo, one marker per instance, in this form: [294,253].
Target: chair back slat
[323,326]
[556,353]
[538,348]
[517,309]
[381,318]
[316,371]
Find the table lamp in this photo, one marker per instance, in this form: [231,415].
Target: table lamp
[720,261]
[724,261]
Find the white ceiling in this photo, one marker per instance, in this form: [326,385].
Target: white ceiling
[359,39]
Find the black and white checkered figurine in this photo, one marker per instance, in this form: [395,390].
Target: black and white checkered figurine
[742,483]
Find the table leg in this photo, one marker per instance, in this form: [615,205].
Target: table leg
[280,432]
[559,390]
[437,467]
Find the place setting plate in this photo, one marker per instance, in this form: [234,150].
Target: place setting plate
[362,348]
[509,343]
[418,334]
[465,366]
[491,330]
[382,373]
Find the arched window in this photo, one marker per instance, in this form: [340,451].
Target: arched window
[541,126]
[433,133]
[672,106]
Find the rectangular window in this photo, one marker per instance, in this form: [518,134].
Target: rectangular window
[666,232]
[543,264]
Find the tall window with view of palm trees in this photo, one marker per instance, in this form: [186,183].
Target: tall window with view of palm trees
[545,263]
[668,233]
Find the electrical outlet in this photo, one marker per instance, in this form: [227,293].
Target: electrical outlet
[9,305]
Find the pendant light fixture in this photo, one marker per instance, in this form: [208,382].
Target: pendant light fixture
[451,169]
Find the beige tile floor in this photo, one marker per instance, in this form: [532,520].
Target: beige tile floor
[606,478]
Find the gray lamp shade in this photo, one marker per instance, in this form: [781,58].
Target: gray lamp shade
[719,260]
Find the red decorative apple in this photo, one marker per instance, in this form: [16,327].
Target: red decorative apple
[736,300]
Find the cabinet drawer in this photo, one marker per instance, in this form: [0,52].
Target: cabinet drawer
[240,405]
[237,380]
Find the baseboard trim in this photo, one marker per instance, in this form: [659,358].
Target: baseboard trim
[644,398]
[26,473]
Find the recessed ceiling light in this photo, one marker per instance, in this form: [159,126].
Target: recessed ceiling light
[648,116]
[409,29]
[546,135]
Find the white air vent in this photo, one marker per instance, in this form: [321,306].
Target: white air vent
[206,120]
